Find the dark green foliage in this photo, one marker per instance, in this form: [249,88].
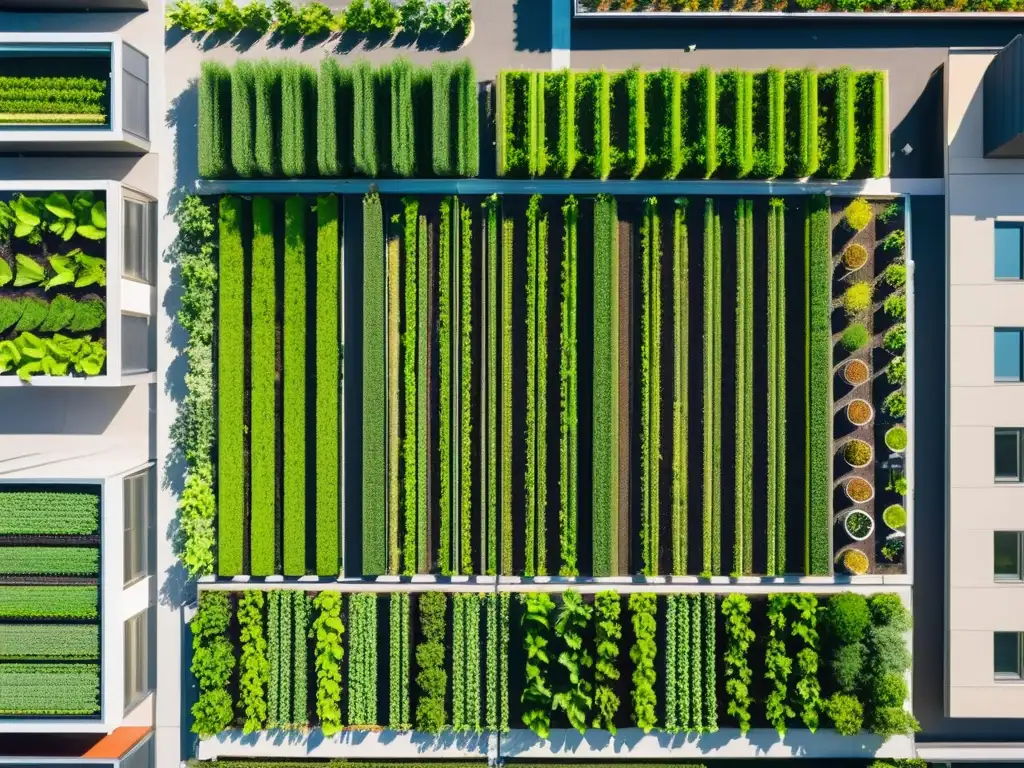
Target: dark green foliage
[268,118]
[650,385]
[430,654]
[467,118]
[607,634]
[848,666]
[364,125]
[10,311]
[846,618]
[568,454]
[328,382]
[213,661]
[888,609]
[334,119]
[536,388]
[680,384]
[362,655]
[214,119]
[399,77]
[441,82]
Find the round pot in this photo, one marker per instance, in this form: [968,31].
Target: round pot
[897,511]
[871,455]
[892,430]
[856,513]
[856,562]
[846,490]
[862,422]
[856,364]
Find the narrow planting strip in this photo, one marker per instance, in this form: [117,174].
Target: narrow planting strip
[374,499]
[680,385]
[295,368]
[328,383]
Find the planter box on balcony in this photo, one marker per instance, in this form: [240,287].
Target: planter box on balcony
[96,90]
[101,335]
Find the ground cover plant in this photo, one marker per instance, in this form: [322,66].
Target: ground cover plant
[362,655]
[58,690]
[49,512]
[284,118]
[49,642]
[48,602]
[466,669]
[675,124]
[56,561]
[53,100]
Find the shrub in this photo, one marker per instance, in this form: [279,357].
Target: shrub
[846,618]
[896,370]
[857,298]
[888,610]
[896,438]
[268,118]
[889,691]
[896,306]
[846,714]
[298,83]
[895,241]
[441,127]
[889,654]
[855,337]
[848,665]
[843,83]
[857,453]
[364,120]
[895,275]
[857,214]
[895,404]
[856,562]
[890,721]
[856,372]
[895,338]
[855,256]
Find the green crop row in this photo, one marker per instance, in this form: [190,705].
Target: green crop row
[74,99]
[466,391]
[400,631]
[776,387]
[57,561]
[712,391]
[689,692]
[230,389]
[286,643]
[743,554]
[362,659]
[62,313]
[496,638]
[393,367]
[18,602]
[650,385]
[605,490]
[293,533]
[285,118]
[412,339]
[374,389]
[568,454]
[253,661]
[668,124]
[447,316]
[49,642]
[49,512]
[505,496]
[213,661]
[49,689]
[818,351]
[536,388]
[423,303]
[432,679]
[262,397]
[466,662]
[680,383]
[328,384]
[489,494]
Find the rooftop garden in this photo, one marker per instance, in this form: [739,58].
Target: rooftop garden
[53,276]
[49,601]
[598,7]
[39,88]
[484,663]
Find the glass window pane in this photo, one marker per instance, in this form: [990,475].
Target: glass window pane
[1008,349]
[1007,555]
[1007,462]
[1007,654]
[1008,252]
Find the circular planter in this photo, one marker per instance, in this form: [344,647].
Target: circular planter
[855,256]
[857,453]
[896,439]
[856,372]
[895,516]
[859,412]
[855,562]
[858,490]
[862,527]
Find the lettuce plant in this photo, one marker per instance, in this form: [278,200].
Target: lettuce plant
[253,664]
[607,610]
[573,620]
[537,697]
[644,650]
[738,677]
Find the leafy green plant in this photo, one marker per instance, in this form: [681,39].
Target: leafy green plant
[573,620]
[608,633]
[30,355]
[896,370]
[537,697]
[51,689]
[855,337]
[890,212]
[892,550]
[712,392]
[778,665]
[362,654]
[896,306]
[895,404]
[642,654]
[857,298]
[846,714]
[374,411]
[398,646]
[895,275]
[466,663]
[327,630]
[738,677]
[568,453]
[49,642]
[253,664]
[680,384]
[432,679]
[30,602]
[896,438]
[895,339]
[895,241]
[818,408]
[857,214]
[213,661]
[536,387]
[55,561]
[846,618]
[807,690]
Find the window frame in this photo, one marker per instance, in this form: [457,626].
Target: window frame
[1018,576]
[137,560]
[138,675]
[1018,435]
[1018,228]
[1009,677]
[150,259]
[1020,355]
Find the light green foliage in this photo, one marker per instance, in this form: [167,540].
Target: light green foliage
[24,602]
[536,387]
[607,634]
[328,382]
[466,662]
[568,453]
[645,699]
[374,389]
[253,663]
[712,390]
[49,642]
[650,385]
[243,119]
[778,664]
[412,338]
[213,662]
[50,689]
[327,630]
[49,512]
[300,632]
[573,621]
[680,384]
[537,695]
[738,677]
[398,677]
[743,554]
[776,479]
[362,659]
[432,679]
[295,364]
[857,299]
[57,561]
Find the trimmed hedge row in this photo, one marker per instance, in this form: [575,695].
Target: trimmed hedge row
[605,489]
[670,124]
[288,119]
[818,340]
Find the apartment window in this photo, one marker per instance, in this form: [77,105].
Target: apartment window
[140,241]
[1009,251]
[138,526]
[1009,343]
[1008,456]
[1008,556]
[138,347]
[137,672]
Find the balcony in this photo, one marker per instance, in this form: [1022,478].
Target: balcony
[72,93]
[77,284]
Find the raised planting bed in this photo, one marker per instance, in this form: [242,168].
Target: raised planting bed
[810,9]
[658,662]
[599,385]
[600,124]
[53,277]
[335,121]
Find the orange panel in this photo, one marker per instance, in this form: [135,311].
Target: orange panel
[118,742]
